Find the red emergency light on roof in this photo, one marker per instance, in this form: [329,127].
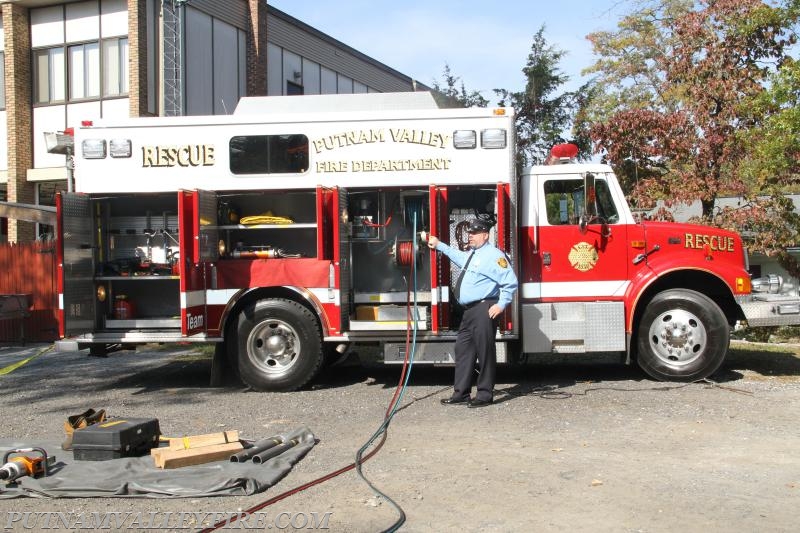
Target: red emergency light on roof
[562,153]
[69,131]
[86,123]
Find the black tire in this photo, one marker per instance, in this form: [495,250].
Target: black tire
[279,345]
[683,336]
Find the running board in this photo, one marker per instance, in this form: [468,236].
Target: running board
[79,342]
[434,352]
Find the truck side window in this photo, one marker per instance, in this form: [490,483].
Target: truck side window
[564,201]
[269,154]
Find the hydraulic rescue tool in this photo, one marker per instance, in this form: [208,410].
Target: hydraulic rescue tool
[25,465]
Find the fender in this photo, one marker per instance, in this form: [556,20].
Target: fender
[656,270]
[303,294]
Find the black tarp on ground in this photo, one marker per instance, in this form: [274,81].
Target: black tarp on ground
[137,477]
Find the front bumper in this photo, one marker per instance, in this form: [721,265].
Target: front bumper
[764,310]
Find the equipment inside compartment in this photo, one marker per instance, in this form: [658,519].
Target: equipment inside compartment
[137,264]
[382,249]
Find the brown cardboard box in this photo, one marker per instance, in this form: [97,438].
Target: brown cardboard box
[367,312]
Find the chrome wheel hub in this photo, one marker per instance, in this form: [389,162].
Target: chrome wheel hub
[273,346]
[678,337]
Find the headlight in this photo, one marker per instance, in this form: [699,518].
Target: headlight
[770,284]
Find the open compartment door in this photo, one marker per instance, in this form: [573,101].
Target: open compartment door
[440,270]
[507,241]
[342,270]
[199,246]
[326,216]
[76,291]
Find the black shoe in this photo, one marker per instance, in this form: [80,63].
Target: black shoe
[453,401]
[479,403]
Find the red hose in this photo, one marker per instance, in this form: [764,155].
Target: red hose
[405,253]
[351,466]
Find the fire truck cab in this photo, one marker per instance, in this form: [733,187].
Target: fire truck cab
[290,230]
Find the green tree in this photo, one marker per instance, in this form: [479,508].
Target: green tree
[677,79]
[452,93]
[772,164]
[544,111]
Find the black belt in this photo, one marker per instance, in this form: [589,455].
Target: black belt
[473,304]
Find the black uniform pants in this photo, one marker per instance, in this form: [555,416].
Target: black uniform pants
[475,340]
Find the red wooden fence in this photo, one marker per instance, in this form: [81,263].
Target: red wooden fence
[30,268]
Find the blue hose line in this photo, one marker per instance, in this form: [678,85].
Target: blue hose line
[388,419]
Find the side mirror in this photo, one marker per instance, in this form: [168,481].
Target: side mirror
[589,201]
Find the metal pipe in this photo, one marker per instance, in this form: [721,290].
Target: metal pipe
[273,452]
[258,447]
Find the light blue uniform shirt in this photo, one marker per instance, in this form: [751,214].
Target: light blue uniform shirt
[489,274]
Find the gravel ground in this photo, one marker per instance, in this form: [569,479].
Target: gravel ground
[567,446]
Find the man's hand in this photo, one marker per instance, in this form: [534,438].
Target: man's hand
[494,311]
[432,241]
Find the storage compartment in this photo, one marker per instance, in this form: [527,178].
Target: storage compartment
[382,244]
[137,261]
[270,224]
[115,438]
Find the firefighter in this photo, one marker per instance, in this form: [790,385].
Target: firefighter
[484,288]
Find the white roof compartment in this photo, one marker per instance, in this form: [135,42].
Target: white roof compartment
[322,103]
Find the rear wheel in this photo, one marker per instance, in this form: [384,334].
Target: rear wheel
[683,336]
[279,345]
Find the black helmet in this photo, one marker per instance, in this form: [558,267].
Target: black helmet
[477,225]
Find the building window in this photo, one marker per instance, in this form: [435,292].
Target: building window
[84,71]
[115,67]
[49,72]
[269,154]
[293,89]
[46,195]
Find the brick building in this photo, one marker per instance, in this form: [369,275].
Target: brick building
[64,62]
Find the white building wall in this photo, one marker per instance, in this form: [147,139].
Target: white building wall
[47,26]
[62,25]
[114,18]
[81,23]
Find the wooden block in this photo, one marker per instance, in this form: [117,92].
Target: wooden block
[167,459]
[198,441]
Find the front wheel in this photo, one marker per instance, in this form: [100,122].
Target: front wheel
[683,336]
[279,345]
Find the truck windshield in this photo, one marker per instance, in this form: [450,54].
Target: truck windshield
[564,201]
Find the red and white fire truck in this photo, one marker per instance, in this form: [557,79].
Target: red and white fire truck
[286,233]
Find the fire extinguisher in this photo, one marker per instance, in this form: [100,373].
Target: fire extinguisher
[123,308]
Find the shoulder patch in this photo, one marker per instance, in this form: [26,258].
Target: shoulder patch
[502,262]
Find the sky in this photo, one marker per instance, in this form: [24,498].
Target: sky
[486,46]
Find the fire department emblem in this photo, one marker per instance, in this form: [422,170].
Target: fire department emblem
[502,262]
[583,256]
